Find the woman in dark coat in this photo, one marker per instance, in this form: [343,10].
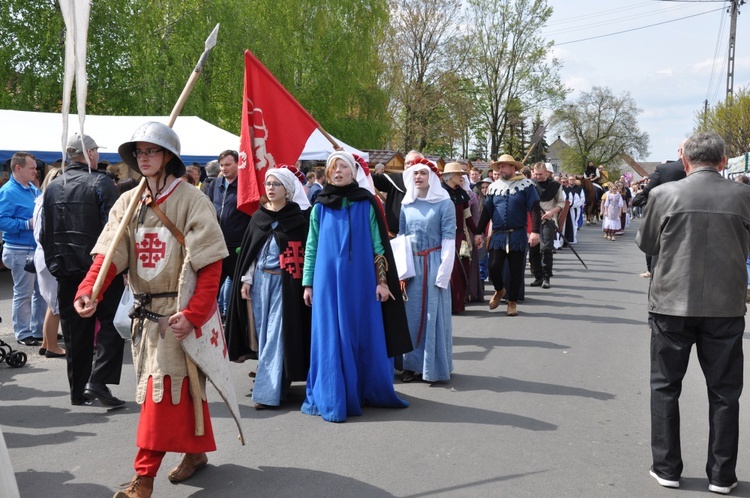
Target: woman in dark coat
[270,269]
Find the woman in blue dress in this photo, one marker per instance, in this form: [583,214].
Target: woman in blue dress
[358,317]
[428,218]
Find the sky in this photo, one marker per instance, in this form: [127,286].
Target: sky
[669,69]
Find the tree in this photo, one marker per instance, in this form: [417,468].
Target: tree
[599,126]
[141,52]
[417,54]
[731,120]
[509,61]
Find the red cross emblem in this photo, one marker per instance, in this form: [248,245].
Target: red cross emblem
[215,341]
[292,259]
[151,250]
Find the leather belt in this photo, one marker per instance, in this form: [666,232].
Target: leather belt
[141,313]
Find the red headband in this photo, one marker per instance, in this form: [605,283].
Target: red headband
[362,163]
[300,176]
[429,163]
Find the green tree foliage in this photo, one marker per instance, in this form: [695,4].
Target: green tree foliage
[731,120]
[599,126]
[141,52]
[509,61]
[417,55]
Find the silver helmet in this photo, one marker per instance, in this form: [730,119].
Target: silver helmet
[157,134]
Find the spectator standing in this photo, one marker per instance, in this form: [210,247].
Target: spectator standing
[700,229]
[233,222]
[212,171]
[320,181]
[76,208]
[17,201]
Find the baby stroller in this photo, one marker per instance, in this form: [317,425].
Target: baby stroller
[15,359]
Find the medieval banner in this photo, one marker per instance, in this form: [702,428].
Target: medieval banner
[275,128]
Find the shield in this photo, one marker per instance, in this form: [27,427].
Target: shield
[207,347]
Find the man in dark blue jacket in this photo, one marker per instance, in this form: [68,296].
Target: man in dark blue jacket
[233,222]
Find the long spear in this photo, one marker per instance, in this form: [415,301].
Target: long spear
[193,377]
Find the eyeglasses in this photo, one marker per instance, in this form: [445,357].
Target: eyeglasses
[147,152]
[273,184]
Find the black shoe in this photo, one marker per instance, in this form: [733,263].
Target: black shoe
[52,354]
[29,341]
[79,402]
[545,283]
[537,282]
[102,393]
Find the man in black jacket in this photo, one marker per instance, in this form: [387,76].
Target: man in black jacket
[671,171]
[76,208]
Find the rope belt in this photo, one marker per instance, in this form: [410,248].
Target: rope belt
[424,255]
[141,313]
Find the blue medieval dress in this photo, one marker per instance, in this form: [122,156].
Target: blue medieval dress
[349,355]
[428,309]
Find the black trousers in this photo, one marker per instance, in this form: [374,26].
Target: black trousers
[515,265]
[540,256]
[718,343]
[100,366]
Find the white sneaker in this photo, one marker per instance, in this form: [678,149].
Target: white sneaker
[665,482]
[722,490]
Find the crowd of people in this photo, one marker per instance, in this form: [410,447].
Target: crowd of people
[310,287]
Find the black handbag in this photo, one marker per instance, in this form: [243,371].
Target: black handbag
[29,266]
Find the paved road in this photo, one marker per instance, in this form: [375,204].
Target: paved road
[553,402]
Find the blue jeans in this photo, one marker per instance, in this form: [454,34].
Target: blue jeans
[718,343]
[29,307]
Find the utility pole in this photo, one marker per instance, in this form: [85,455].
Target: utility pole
[732,39]
[734,11]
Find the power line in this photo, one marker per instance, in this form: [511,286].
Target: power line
[638,28]
[716,58]
[618,19]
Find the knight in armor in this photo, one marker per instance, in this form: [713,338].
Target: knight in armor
[173,227]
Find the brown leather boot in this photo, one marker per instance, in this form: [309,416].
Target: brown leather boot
[496,298]
[187,467]
[139,487]
[512,310]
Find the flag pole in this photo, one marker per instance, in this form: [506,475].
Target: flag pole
[194,379]
[333,141]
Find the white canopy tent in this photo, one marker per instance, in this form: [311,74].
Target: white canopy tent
[40,134]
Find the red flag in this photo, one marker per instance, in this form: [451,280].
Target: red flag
[275,128]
